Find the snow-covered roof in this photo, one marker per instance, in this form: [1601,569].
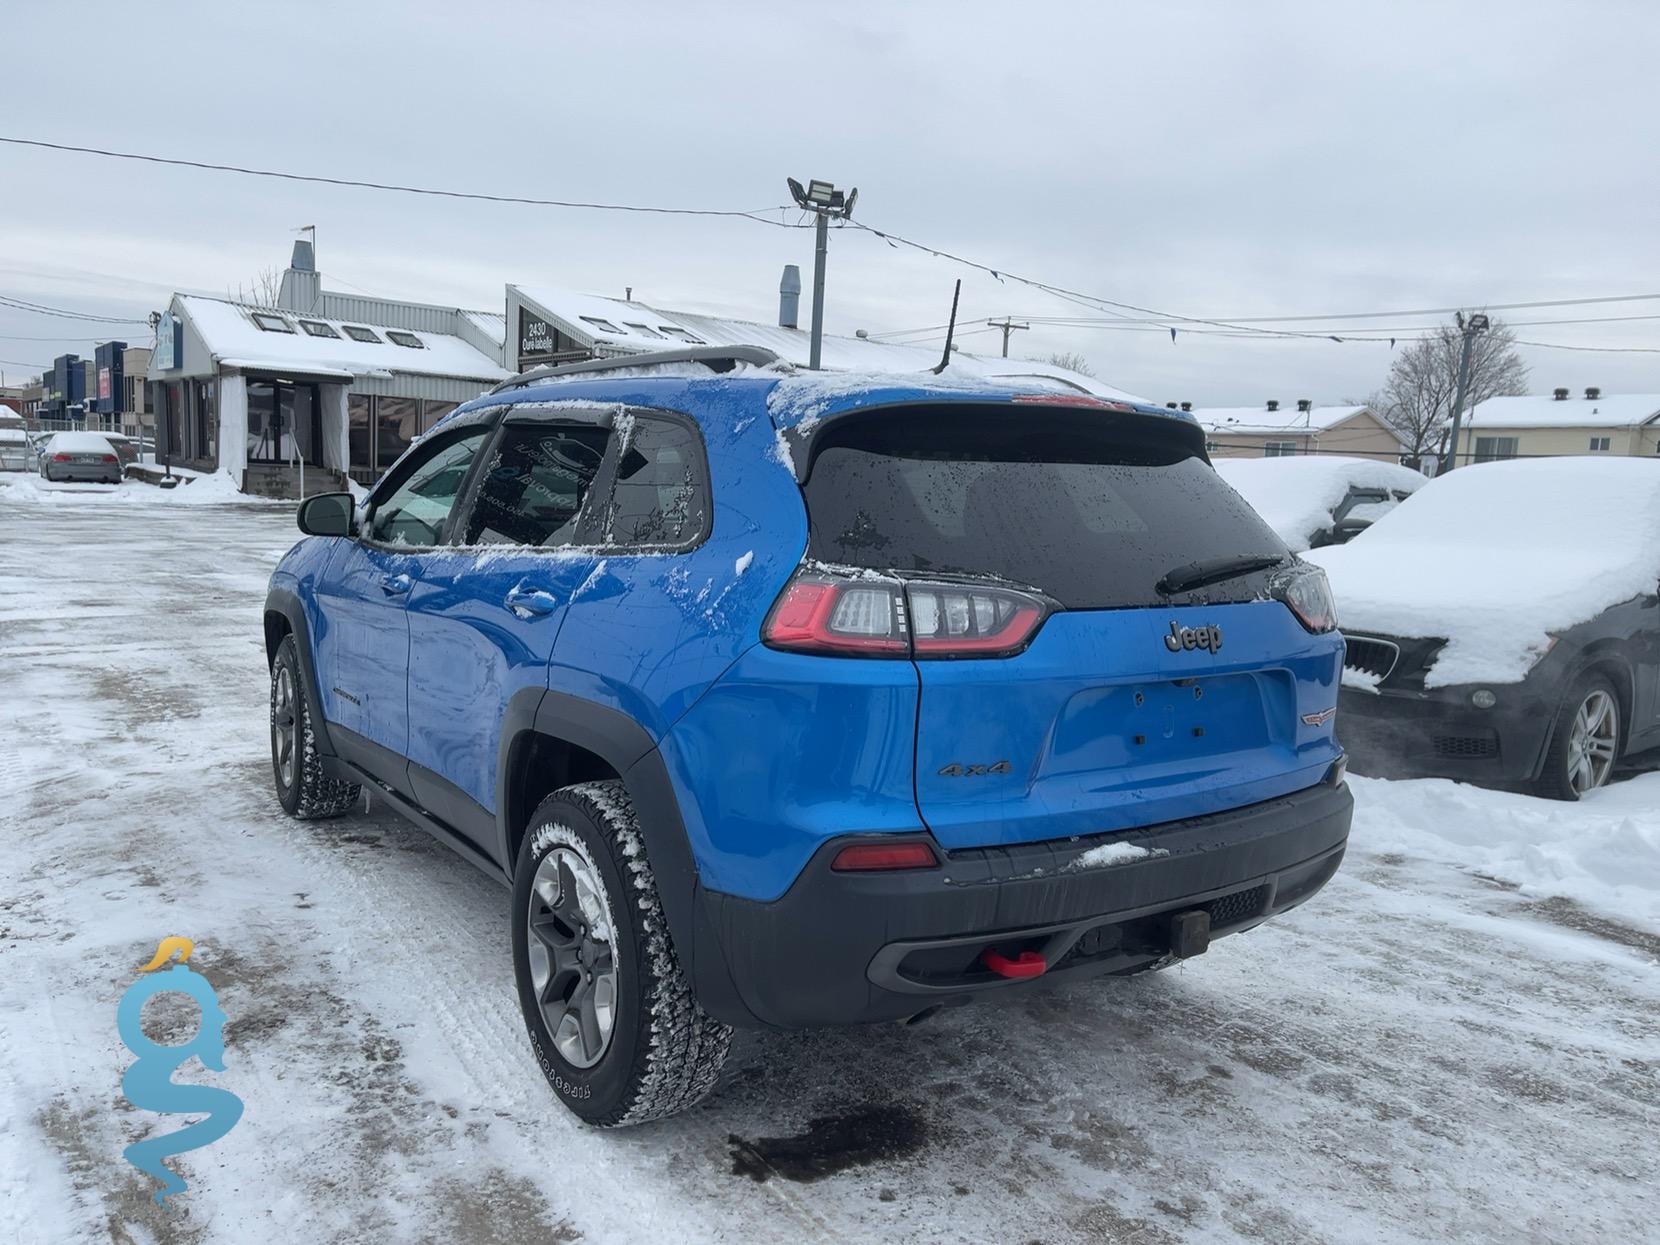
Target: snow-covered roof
[635,326]
[491,323]
[1495,557]
[1259,420]
[232,335]
[1625,410]
[1297,494]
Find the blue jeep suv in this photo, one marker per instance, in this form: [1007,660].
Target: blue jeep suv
[785,699]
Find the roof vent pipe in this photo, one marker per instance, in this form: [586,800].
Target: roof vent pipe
[1187,406]
[1592,393]
[1170,405]
[1561,395]
[789,298]
[1273,404]
[1305,405]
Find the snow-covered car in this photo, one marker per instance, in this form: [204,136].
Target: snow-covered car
[1503,626]
[15,453]
[82,456]
[1319,499]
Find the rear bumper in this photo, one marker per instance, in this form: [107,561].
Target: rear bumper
[100,473]
[841,948]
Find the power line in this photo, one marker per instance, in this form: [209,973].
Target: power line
[21,304]
[400,189]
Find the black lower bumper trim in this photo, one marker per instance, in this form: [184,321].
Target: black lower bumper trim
[841,948]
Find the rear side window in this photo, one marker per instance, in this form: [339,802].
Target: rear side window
[536,484]
[661,495]
[1091,508]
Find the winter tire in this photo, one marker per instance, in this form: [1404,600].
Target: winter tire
[610,1015]
[1585,741]
[303,790]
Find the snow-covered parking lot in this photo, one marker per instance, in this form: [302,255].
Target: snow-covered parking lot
[1458,1040]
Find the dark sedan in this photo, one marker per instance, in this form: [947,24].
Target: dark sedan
[1503,627]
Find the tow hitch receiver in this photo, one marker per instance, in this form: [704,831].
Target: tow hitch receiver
[1189,933]
[1026,964]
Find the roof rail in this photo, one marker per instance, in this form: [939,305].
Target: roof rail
[716,358]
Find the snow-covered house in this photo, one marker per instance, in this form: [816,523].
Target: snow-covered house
[1268,431]
[546,324]
[1558,424]
[342,382]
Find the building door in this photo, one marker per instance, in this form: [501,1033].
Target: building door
[284,422]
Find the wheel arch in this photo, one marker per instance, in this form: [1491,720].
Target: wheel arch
[551,739]
[284,616]
[1609,659]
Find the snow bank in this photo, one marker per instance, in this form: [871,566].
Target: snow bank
[200,490]
[1297,495]
[1603,852]
[1497,556]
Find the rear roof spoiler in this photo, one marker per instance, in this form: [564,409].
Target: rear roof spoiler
[715,358]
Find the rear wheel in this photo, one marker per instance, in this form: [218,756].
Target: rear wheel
[610,1014]
[1585,741]
[303,789]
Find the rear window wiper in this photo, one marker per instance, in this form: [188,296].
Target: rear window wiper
[1213,571]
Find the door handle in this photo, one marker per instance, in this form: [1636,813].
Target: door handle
[530,602]
[395,585]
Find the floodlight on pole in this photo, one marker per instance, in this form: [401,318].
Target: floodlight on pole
[1469,326]
[823,200]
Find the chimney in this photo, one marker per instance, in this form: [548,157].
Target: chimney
[1592,393]
[1305,405]
[301,289]
[1188,407]
[1561,395]
[1273,404]
[789,298]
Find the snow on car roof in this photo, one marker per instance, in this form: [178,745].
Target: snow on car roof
[1496,556]
[1297,494]
[232,335]
[1624,410]
[81,443]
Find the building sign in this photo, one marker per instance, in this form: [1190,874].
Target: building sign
[169,356]
[103,384]
[536,335]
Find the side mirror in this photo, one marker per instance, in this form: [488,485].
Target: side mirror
[327,514]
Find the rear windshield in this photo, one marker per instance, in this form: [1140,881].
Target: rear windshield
[1091,508]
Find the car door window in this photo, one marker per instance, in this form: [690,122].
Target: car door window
[535,486]
[413,514]
[661,494]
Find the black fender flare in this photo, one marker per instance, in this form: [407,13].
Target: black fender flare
[286,603]
[623,744]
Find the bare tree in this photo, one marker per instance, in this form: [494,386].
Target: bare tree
[266,283]
[1072,362]
[1416,399]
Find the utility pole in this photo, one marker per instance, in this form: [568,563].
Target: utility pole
[824,201]
[1008,326]
[1476,323]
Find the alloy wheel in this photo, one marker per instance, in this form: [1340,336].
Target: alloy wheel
[284,726]
[573,964]
[1593,743]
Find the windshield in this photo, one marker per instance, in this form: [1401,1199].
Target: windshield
[1090,508]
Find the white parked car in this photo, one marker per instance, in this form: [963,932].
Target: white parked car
[1319,499]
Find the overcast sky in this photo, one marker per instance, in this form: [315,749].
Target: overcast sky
[1209,159]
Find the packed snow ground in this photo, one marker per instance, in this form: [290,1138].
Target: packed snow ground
[1458,1040]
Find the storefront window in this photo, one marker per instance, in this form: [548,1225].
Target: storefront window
[360,437]
[397,424]
[432,412]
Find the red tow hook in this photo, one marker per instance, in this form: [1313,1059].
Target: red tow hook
[1026,964]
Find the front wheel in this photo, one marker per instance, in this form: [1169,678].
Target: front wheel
[1585,741]
[303,789]
[611,1016]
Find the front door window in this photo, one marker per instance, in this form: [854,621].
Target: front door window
[284,423]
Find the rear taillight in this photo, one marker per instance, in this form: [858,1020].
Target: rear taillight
[863,614]
[110,458]
[881,857]
[60,458]
[1307,595]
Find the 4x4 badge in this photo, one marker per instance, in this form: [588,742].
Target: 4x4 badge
[1208,638]
[955,770]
